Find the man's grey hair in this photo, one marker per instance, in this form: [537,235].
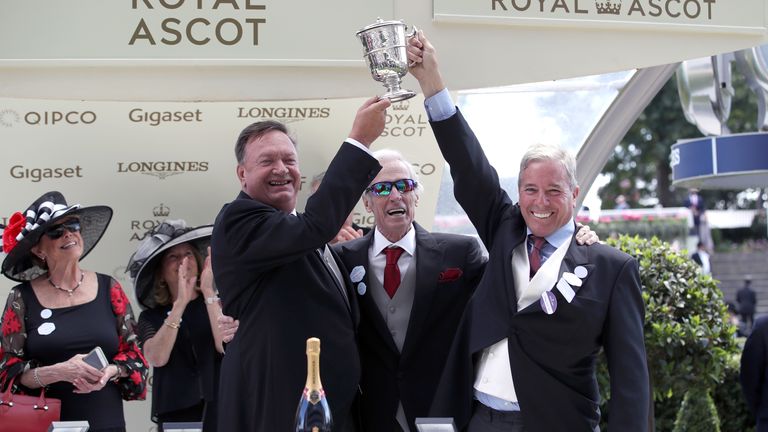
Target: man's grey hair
[388,155]
[548,152]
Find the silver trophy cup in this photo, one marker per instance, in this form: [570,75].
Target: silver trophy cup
[385,51]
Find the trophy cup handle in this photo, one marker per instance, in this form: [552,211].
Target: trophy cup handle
[411,35]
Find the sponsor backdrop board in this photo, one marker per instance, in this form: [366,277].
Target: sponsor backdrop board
[152,161]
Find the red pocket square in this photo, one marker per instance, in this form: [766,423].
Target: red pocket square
[450,274]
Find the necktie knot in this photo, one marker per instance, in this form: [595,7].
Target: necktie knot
[391,270]
[393,254]
[535,256]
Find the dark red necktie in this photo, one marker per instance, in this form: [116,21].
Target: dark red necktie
[535,255]
[392,271]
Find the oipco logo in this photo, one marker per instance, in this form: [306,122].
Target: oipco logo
[9,117]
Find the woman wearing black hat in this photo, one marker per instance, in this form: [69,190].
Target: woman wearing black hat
[181,327]
[59,312]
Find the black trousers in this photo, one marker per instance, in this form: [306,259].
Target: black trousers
[486,419]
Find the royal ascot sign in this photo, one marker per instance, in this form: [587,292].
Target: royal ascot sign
[726,16]
[230,31]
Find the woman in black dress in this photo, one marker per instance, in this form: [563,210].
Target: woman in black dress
[59,312]
[181,329]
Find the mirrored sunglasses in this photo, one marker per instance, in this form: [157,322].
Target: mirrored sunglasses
[385,188]
[57,231]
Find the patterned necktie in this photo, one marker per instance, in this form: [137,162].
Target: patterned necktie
[392,271]
[535,256]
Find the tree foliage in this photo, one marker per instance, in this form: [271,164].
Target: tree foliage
[639,168]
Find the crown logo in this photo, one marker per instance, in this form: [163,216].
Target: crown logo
[401,106]
[608,7]
[161,211]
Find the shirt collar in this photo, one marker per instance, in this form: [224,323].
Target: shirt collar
[560,236]
[407,242]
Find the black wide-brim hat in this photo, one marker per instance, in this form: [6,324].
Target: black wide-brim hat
[24,230]
[143,263]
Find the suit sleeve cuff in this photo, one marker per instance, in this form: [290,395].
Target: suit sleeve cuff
[440,106]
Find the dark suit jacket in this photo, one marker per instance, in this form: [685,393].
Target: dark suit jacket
[747,299]
[439,300]
[552,357]
[754,372]
[696,258]
[271,277]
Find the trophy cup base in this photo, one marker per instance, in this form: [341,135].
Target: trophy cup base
[398,96]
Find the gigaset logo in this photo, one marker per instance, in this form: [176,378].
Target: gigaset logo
[8,117]
[51,118]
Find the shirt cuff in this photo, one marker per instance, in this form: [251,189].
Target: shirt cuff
[440,106]
[357,144]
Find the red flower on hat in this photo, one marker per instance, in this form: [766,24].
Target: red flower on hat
[16,222]
[11,323]
[119,300]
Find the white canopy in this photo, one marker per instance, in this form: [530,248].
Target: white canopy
[231,50]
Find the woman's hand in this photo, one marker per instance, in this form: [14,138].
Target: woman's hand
[187,282]
[206,277]
[82,375]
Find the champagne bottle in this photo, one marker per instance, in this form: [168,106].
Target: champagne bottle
[313,413]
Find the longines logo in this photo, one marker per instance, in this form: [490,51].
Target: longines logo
[161,169]
[675,9]
[141,227]
[284,114]
[9,117]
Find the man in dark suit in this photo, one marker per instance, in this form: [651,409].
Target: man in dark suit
[701,257]
[753,372]
[277,276]
[528,342]
[747,300]
[695,203]
[405,334]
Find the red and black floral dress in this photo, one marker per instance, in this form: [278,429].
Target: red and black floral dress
[37,336]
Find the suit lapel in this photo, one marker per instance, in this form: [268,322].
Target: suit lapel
[428,261]
[576,255]
[347,286]
[357,255]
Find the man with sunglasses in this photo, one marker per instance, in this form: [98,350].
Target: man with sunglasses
[412,286]
[525,355]
[276,275]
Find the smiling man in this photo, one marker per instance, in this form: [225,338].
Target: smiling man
[525,353]
[412,286]
[277,276]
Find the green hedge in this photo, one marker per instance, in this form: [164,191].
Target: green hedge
[688,338]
